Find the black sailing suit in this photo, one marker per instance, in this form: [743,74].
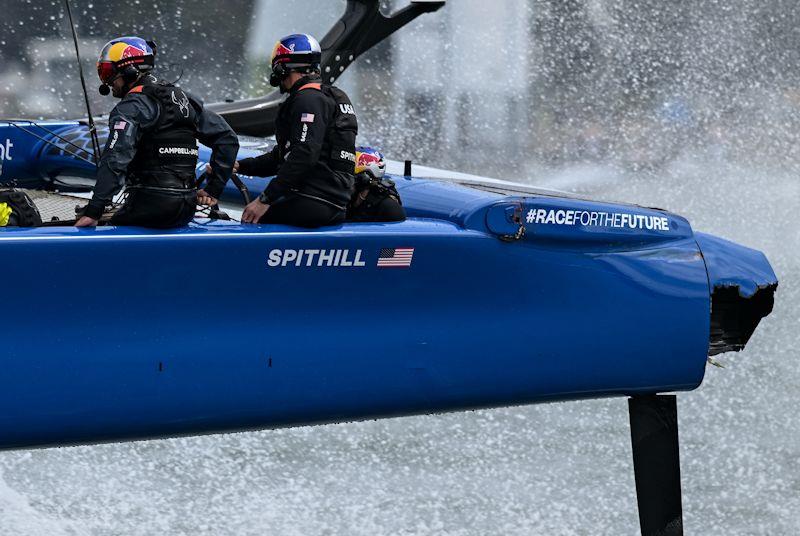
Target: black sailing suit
[152,150]
[314,158]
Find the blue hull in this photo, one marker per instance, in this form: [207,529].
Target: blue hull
[123,333]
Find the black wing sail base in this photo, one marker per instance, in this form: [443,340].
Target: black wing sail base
[360,28]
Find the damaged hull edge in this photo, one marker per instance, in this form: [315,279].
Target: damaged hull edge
[742,286]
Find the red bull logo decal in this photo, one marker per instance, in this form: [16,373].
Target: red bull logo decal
[132,51]
[120,51]
[282,50]
[366,159]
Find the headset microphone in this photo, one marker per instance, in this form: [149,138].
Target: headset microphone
[104,90]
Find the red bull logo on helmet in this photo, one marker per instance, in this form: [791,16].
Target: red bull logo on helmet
[300,44]
[124,49]
[131,51]
[368,159]
[282,50]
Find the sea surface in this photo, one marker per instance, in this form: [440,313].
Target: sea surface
[556,469]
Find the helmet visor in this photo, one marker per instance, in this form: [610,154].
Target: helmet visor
[106,71]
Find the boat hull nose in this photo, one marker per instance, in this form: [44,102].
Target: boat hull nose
[742,284]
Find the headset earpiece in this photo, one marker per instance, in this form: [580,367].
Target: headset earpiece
[278,74]
[130,74]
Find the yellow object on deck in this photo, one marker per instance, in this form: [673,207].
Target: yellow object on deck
[5,214]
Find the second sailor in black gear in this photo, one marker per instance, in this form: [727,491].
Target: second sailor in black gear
[152,148]
[314,158]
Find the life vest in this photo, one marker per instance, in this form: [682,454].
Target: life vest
[340,139]
[339,147]
[166,156]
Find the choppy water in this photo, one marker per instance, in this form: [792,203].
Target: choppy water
[550,469]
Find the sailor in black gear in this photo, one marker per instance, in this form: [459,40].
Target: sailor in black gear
[152,145]
[375,197]
[315,153]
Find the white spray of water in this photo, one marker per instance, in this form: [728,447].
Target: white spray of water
[706,129]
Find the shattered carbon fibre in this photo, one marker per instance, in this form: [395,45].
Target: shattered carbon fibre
[742,286]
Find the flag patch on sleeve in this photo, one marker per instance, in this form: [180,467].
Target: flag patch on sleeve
[307,118]
[120,125]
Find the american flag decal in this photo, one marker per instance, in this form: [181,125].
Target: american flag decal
[395,257]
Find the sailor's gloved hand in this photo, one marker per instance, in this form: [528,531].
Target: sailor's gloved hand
[86,221]
[204,198]
[254,211]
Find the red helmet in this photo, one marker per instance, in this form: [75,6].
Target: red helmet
[125,56]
